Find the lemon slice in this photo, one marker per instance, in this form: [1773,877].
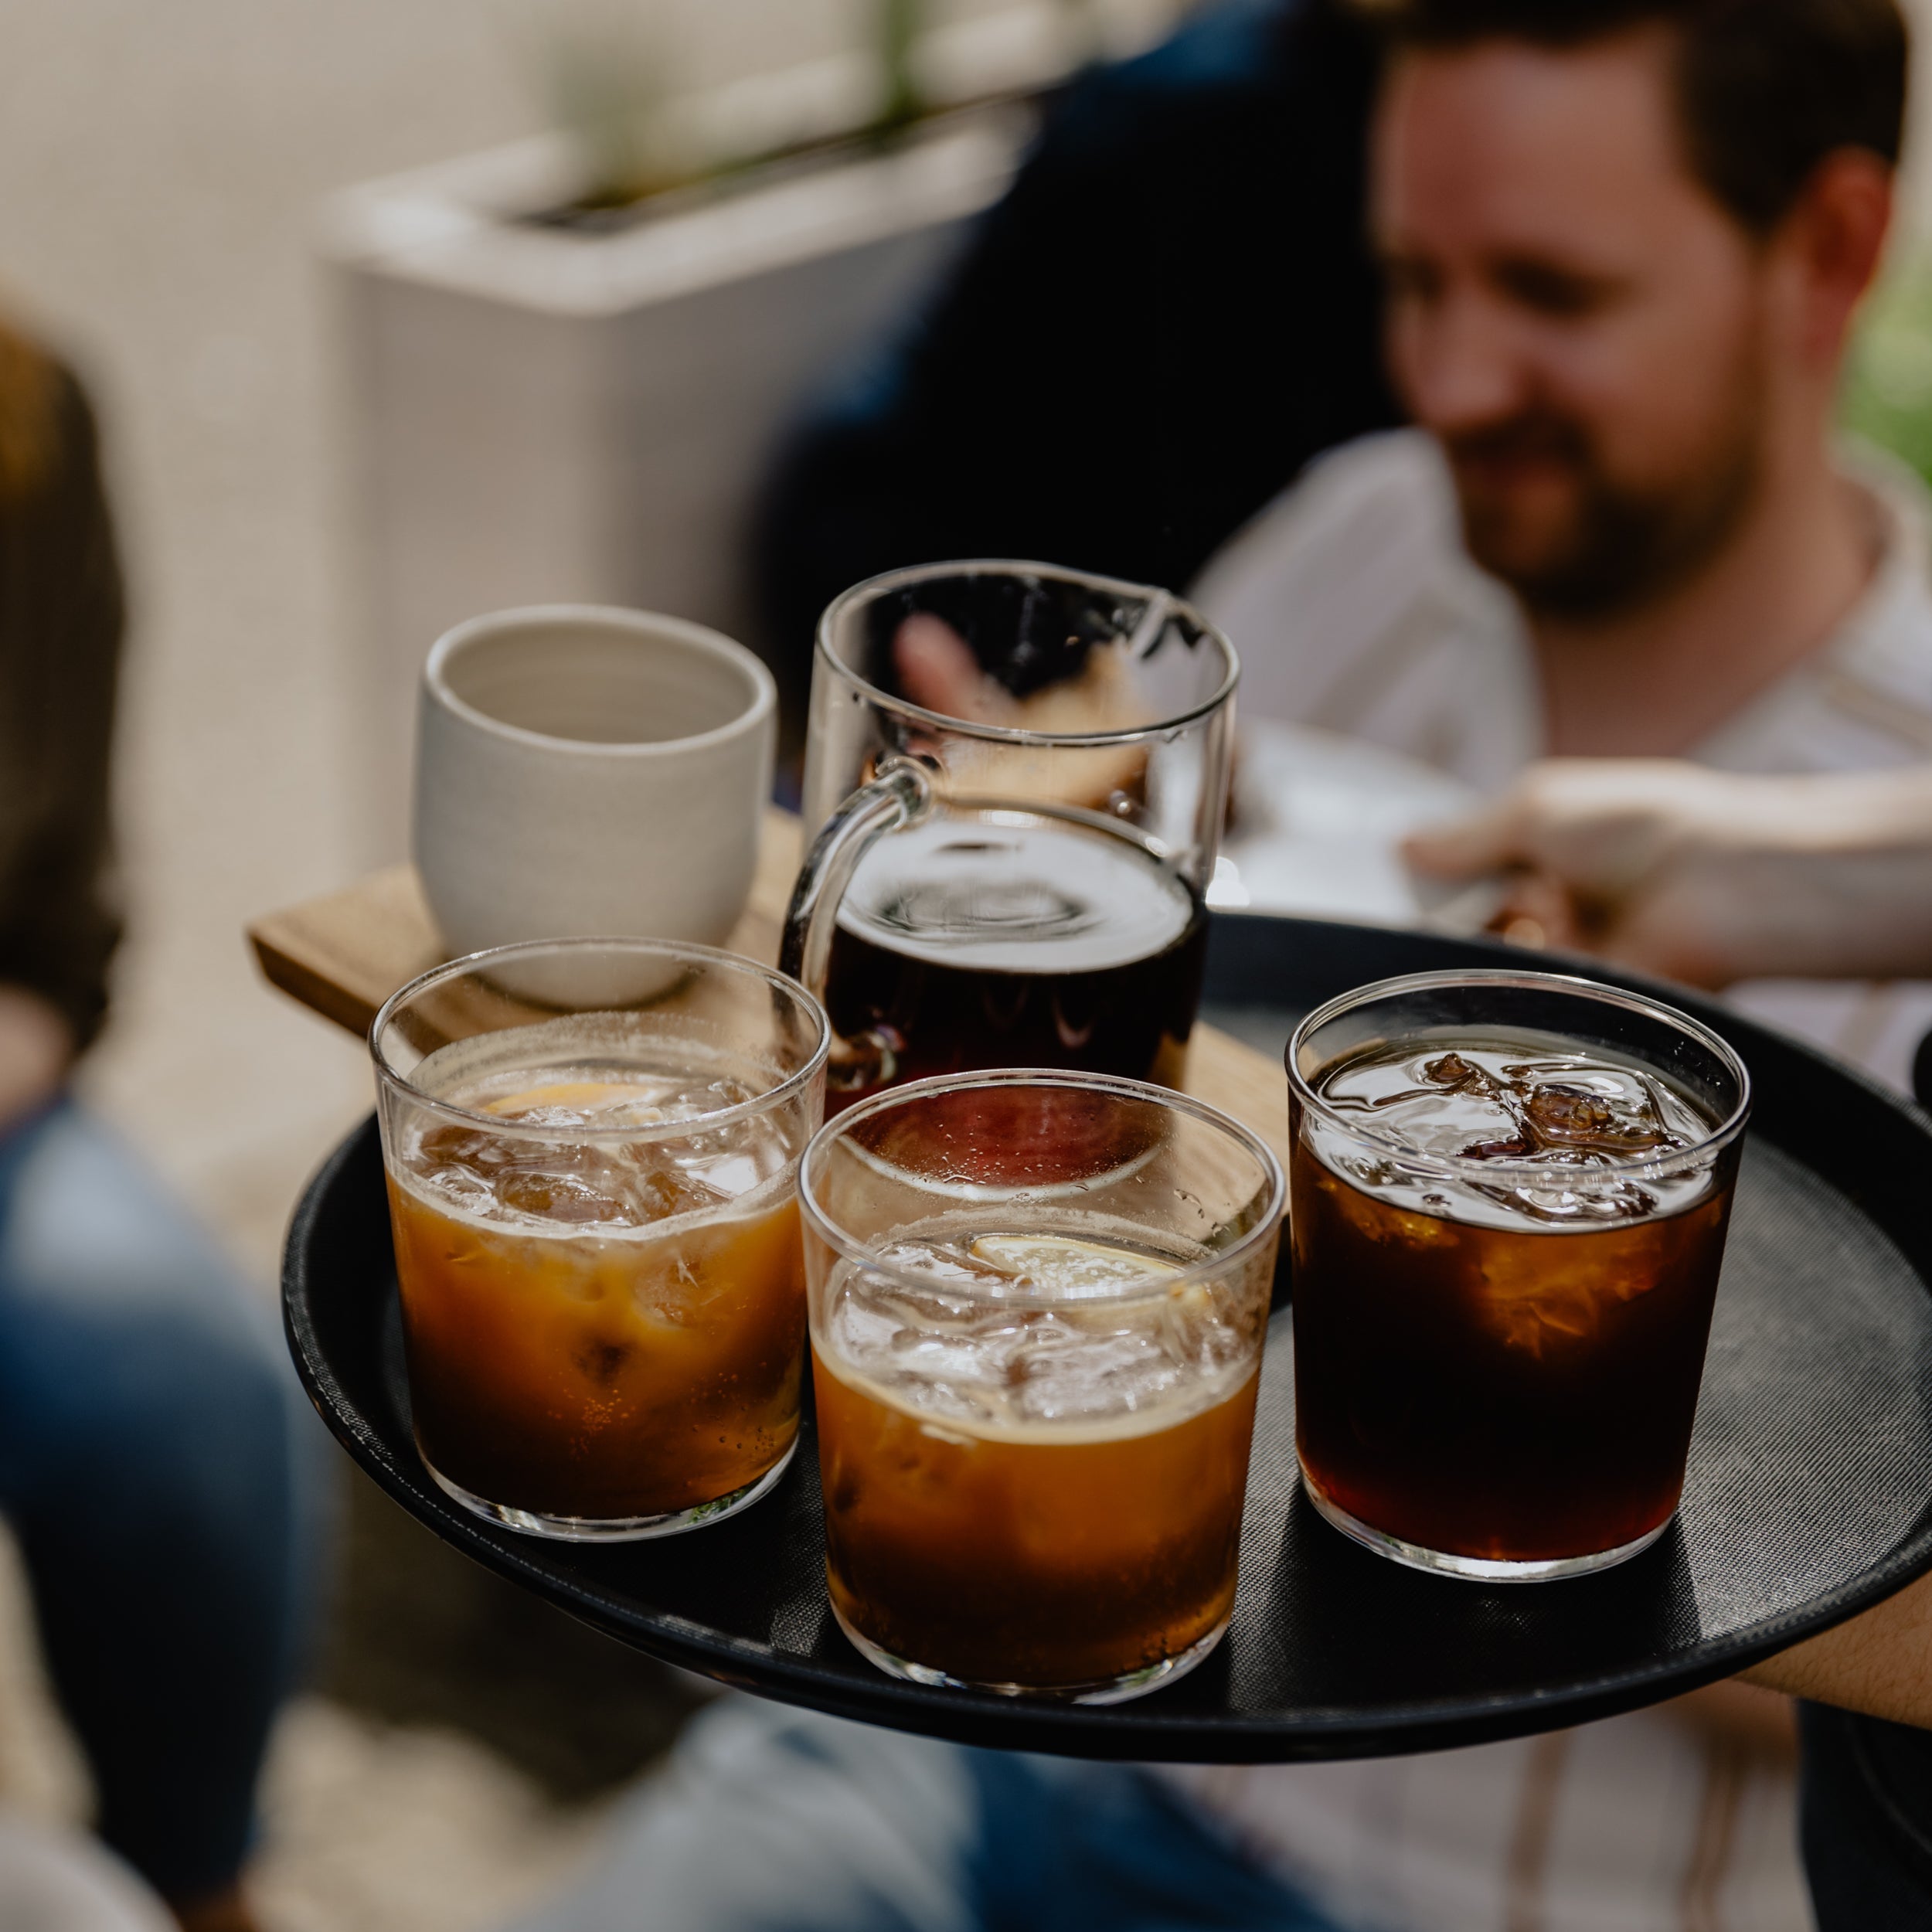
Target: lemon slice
[1067,1267]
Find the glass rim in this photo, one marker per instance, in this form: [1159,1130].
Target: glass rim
[684,950]
[816,1152]
[1527,1173]
[1165,602]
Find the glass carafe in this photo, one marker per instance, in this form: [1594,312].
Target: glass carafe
[1015,785]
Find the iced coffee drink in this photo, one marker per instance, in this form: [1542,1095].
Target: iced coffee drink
[1036,1375]
[597,1250]
[1507,1240]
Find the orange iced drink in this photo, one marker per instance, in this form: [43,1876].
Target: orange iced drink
[1032,1497]
[1046,1562]
[597,1327]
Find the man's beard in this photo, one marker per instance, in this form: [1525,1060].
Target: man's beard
[1623,546]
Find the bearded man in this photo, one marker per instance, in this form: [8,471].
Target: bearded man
[1618,287]
[1623,244]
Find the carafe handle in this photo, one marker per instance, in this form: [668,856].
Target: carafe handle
[900,794]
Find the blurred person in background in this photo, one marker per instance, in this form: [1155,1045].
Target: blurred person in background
[1169,313]
[1623,244]
[151,1457]
[1706,876]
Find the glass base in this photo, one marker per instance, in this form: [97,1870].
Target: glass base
[1482,1569]
[1112,1690]
[613,1529]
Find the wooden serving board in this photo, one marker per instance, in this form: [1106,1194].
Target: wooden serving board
[343,954]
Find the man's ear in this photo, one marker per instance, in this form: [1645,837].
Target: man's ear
[1836,235]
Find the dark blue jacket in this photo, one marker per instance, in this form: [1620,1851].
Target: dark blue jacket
[1169,313]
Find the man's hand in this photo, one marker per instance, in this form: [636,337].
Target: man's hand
[1704,877]
[938,671]
[36,1048]
[1880,1663]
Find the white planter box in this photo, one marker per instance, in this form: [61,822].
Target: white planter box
[535,414]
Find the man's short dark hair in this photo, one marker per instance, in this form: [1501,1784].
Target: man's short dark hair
[1767,88]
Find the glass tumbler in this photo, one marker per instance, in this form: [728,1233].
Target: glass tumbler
[592,1149]
[1038,1307]
[1015,779]
[1510,1195]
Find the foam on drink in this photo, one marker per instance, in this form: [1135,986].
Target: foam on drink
[1011,937]
[993,887]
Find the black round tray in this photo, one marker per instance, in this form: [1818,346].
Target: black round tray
[1809,1496]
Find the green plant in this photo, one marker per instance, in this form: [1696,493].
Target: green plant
[603,78]
[1888,389]
[898,23]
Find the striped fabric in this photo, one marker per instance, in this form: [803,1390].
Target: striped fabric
[1655,1822]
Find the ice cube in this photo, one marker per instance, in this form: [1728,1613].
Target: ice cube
[562,1196]
[1095,1374]
[1566,1114]
[1060,1265]
[1533,1305]
[657,1191]
[1456,1074]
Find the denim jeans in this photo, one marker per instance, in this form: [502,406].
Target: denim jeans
[1866,1794]
[772,1820]
[160,1469]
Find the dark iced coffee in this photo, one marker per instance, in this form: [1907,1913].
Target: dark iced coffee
[1506,1248]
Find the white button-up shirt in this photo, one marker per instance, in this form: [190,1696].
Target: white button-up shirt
[1355,608]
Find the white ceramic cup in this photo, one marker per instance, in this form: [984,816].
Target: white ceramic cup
[586,772]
